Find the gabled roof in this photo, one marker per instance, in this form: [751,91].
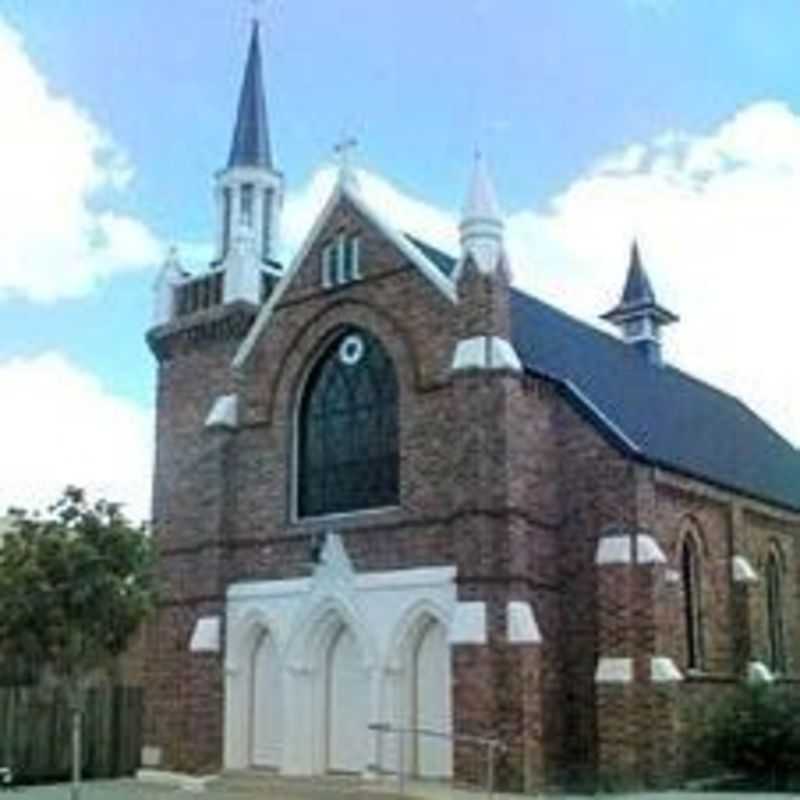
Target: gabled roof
[250,146]
[419,257]
[655,413]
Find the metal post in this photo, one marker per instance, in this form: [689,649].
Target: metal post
[401,766]
[75,789]
[490,771]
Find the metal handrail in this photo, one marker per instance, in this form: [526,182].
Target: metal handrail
[492,747]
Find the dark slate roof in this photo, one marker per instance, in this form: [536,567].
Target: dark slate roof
[441,260]
[656,413]
[250,146]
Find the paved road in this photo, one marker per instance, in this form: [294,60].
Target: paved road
[284,789]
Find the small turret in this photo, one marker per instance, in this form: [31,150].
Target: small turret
[169,276]
[481,221]
[638,315]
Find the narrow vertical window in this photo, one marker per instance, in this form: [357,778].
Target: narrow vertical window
[692,602]
[777,651]
[353,255]
[328,259]
[246,205]
[266,224]
[226,220]
[341,260]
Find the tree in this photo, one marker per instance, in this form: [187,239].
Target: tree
[75,586]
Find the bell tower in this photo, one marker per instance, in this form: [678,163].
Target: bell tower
[249,190]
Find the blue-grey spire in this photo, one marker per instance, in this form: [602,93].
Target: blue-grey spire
[637,285]
[251,146]
[638,315]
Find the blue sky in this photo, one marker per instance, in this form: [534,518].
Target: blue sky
[674,120]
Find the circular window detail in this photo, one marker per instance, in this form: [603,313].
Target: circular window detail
[351,349]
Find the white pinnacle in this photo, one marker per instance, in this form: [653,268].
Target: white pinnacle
[481,222]
[481,202]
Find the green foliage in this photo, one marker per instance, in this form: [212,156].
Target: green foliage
[75,585]
[757,733]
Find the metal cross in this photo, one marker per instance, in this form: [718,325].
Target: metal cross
[344,148]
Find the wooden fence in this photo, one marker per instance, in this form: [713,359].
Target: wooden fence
[35,732]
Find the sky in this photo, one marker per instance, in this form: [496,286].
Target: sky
[674,121]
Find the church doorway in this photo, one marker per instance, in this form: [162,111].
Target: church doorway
[266,721]
[346,706]
[431,756]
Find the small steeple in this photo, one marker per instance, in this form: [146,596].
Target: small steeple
[481,221]
[638,315]
[250,146]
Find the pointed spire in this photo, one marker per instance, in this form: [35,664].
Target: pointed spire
[250,146]
[481,222]
[638,315]
[481,201]
[637,284]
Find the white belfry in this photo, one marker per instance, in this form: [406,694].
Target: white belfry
[481,222]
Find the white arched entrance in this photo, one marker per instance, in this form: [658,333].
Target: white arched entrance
[266,706]
[346,704]
[310,662]
[429,684]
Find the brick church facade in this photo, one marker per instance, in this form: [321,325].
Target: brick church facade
[390,488]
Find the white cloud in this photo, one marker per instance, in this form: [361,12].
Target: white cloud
[716,215]
[54,159]
[59,425]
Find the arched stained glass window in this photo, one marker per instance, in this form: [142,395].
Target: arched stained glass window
[692,601]
[348,452]
[774,579]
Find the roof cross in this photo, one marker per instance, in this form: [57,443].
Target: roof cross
[343,150]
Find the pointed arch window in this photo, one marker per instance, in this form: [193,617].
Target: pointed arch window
[692,601]
[348,429]
[774,589]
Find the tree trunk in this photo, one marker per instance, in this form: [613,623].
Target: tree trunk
[77,749]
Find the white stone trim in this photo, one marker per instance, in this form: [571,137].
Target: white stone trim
[648,550]
[169,276]
[189,783]
[486,352]
[663,670]
[758,672]
[614,550]
[469,624]
[502,355]
[206,635]
[470,353]
[366,581]
[672,577]
[224,413]
[352,193]
[743,571]
[619,550]
[521,625]
[151,756]
[614,670]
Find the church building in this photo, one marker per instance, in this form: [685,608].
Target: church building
[393,490]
